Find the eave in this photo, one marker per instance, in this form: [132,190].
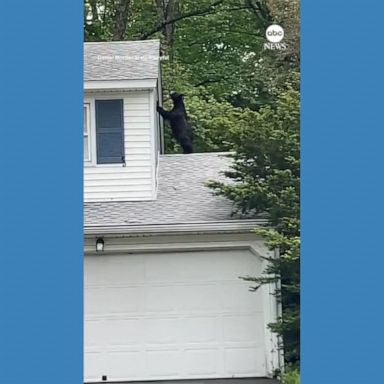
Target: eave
[230,226]
[96,85]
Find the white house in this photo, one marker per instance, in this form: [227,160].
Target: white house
[163,255]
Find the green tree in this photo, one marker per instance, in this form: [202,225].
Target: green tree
[221,68]
[226,57]
[267,174]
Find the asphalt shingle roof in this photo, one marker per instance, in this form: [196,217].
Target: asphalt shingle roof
[121,60]
[182,195]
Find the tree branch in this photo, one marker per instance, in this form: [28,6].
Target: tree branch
[260,11]
[204,12]
[210,81]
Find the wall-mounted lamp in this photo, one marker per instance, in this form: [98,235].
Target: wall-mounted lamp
[99,245]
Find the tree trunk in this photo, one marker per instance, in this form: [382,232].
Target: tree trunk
[95,15]
[121,19]
[167,10]
[169,29]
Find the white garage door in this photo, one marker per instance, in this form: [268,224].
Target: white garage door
[173,316]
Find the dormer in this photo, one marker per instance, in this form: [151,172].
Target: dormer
[122,138]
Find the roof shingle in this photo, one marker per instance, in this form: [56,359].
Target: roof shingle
[121,60]
[183,197]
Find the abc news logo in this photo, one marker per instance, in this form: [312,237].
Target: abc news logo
[275,34]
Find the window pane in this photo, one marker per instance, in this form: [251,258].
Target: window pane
[85,120]
[109,113]
[109,131]
[110,146]
[86,152]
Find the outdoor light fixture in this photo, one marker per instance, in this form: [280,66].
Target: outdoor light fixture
[99,245]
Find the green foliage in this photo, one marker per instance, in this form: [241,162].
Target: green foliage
[226,56]
[267,171]
[290,376]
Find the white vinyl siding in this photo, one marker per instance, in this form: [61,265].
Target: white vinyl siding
[134,179]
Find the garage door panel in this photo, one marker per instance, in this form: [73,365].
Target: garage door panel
[113,270]
[159,299]
[243,328]
[202,362]
[121,362]
[236,297]
[241,361]
[163,363]
[172,316]
[104,300]
[95,334]
[94,364]
[132,335]
[161,331]
[198,298]
[93,302]
[200,330]
[120,300]
[93,271]
[185,271]
[120,270]
[241,265]
[202,268]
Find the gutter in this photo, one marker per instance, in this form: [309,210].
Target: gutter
[119,85]
[230,226]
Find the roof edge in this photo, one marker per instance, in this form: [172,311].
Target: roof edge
[122,84]
[195,154]
[230,226]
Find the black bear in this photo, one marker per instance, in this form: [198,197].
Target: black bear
[177,116]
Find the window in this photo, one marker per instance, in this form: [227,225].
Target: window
[103,132]
[109,131]
[86,131]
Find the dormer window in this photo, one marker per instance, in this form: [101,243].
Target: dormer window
[109,131]
[104,131]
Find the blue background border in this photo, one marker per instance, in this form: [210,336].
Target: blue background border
[41,192]
[342,192]
[41,262]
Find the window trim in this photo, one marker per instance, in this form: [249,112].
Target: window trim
[91,100]
[87,134]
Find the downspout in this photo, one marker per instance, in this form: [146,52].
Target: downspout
[160,120]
